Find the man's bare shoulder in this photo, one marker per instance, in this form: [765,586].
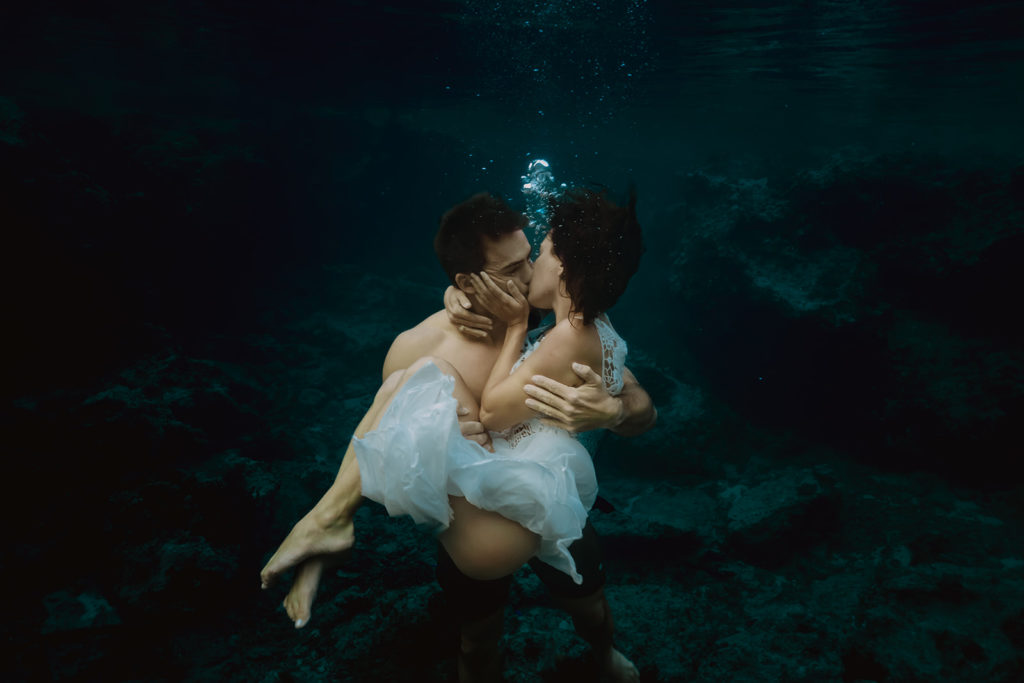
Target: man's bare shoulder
[431,330]
[416,342]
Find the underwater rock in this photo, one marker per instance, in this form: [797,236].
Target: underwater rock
[862,304]
[691,510]
[162,576]
[772,521]
[11,119]
[66,611]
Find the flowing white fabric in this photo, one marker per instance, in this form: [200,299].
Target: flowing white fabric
[538,476]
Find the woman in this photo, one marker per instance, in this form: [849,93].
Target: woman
[531,496]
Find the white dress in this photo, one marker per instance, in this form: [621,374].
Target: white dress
[538,476]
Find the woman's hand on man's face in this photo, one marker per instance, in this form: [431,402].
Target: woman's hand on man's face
[505,301]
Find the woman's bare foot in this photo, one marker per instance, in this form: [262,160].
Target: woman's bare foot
[299,601]
[615,667]
[307,539]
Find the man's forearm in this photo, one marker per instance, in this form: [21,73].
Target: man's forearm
[638,411]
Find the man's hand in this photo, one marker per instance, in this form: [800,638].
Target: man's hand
[575,409]
[474,430]
[471,325]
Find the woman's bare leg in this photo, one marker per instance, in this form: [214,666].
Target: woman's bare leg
[319,541]
[483,544]
[327,528]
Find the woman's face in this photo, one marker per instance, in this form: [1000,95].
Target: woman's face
[547,274]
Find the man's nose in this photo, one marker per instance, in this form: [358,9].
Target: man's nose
[529,271]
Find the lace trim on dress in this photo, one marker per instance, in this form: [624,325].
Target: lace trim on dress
[613,353]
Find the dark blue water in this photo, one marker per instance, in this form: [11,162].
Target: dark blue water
[217,215]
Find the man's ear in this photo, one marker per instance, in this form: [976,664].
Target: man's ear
[463,282]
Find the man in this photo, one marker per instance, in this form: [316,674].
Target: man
[480,234]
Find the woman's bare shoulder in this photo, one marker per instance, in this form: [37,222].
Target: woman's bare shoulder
[581,342]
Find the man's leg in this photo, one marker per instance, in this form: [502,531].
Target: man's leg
[587,605]
[479,609]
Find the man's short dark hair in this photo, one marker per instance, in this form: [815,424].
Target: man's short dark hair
[459,241]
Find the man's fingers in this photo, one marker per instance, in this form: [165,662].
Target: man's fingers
[587,374]
[539,396]
[474,319]
[475,431]
[551,386]
[461,410]
[472,332]
[471,428]
[546,409]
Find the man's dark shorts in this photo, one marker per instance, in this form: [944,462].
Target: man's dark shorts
[472,599]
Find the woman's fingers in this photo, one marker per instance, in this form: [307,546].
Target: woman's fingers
[504,305]
[482,289]
[502,293]
[492,287]
[513,290]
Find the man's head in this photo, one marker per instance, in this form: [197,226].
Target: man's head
[484,234]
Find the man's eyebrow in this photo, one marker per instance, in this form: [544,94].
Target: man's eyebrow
[513,263]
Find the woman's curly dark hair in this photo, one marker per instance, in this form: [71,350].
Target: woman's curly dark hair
[599,244]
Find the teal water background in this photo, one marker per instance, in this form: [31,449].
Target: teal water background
[217,215]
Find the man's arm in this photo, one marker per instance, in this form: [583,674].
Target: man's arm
[589,406]
[638,411]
